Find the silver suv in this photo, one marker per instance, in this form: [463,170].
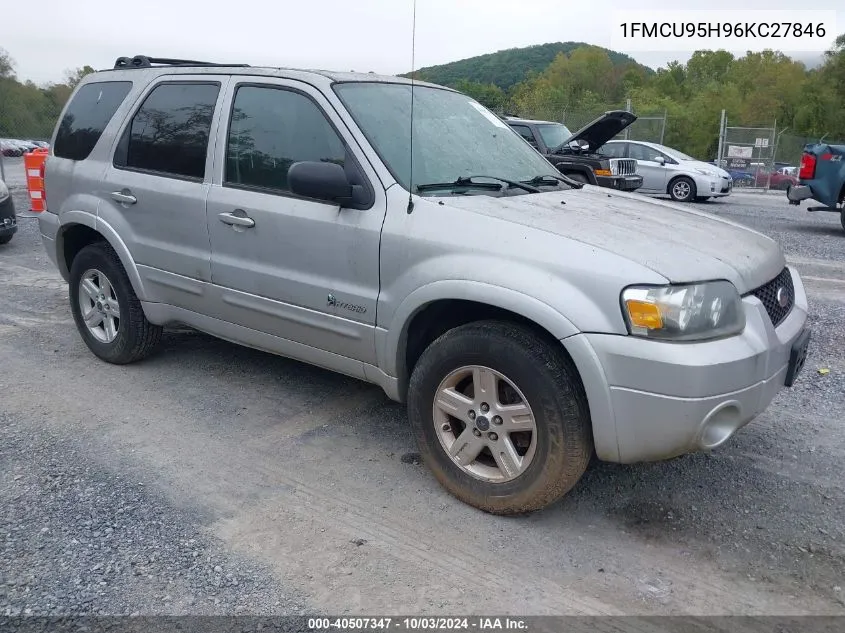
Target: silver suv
[527,321]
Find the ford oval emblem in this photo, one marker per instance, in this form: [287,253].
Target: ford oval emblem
[782,297]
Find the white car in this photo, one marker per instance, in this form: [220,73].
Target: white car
[668,171]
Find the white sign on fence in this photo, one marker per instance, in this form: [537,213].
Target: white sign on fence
[761,142]
[740,151]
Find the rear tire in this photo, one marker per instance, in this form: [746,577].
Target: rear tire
[499,466]
[5,239]
[842,218]
[682,189]
[116,330]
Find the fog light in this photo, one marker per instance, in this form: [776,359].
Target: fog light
[720,425]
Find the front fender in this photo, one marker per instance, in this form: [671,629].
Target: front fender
[390,347]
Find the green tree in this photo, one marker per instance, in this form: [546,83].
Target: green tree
[488,95]
[7,65]
[73,77]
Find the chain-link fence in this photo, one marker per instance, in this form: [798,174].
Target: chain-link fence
[762,157]
[28,115]
[650,125]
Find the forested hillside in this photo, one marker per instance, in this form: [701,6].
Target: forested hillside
[763,89]
[508,67]
[28,111]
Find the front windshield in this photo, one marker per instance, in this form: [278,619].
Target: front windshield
[675,153]
[454,136]
[554,134]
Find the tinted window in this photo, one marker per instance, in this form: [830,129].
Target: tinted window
[642,152]
[169,133]
[87,115]
[554,135]
[613,150]
[270,130]
[525,132]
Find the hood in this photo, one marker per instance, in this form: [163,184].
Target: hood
[678,243]
[708,168]
[601,130]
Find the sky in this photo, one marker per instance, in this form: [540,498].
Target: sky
[47,38]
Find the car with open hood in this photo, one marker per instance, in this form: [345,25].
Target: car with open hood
[668,171]
[577,155]
[528,322]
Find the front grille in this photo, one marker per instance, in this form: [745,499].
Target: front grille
[623,166]
[771,294]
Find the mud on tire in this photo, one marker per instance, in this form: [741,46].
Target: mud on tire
[136,338]
[551,387]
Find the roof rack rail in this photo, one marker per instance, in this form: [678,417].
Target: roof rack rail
[144,61]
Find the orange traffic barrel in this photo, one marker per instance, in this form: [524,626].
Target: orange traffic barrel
[33,163]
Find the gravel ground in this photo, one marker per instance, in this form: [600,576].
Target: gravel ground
[212,463]
[82,538]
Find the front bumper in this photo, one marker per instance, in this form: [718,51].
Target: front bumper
[622,183]
[8,219]
[712,186]
[652,400]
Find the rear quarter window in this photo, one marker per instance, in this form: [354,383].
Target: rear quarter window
[87,115]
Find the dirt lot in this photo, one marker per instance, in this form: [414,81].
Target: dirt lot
[216,479]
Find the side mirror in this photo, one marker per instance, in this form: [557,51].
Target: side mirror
[660,160]
[323,181]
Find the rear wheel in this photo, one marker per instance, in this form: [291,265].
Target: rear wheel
[682,189]
[106,310]
[5,239]
[500,417]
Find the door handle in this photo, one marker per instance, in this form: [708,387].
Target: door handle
[237,220]
[124,197]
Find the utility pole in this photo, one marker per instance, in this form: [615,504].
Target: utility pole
[721,139]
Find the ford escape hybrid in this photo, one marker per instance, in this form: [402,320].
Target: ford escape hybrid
[526,320]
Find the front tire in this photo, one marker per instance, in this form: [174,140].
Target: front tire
[578,177]
[682,189]
[106,310]
[500,417]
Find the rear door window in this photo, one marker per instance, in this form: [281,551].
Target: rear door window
[613,150]
[87,115]
[169,133]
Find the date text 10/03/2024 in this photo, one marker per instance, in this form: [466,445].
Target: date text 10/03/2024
[418,624]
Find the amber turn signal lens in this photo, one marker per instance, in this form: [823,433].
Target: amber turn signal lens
[644,314]
[602,172]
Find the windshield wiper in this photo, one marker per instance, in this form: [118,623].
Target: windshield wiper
[543,179]
[467,181]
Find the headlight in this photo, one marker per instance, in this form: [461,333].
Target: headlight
[4,191]
[691,312]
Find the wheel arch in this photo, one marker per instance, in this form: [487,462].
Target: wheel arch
[78,230]
[577,168]
[433,309]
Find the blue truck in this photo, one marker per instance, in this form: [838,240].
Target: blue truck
[821,178]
